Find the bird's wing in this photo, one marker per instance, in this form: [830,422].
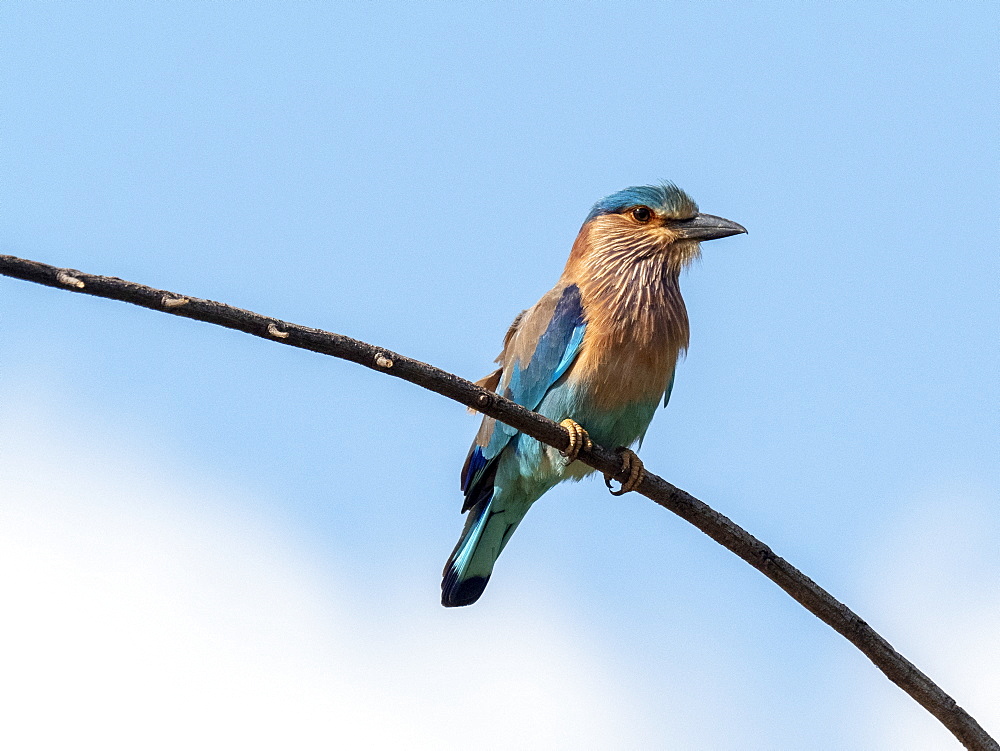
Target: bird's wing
[539,348]
[543,346]
[670,387]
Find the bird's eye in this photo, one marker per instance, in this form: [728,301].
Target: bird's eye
[642,214]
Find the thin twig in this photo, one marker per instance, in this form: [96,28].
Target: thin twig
[721,529]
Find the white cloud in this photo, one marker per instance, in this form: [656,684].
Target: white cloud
[143,611]
[145,607]
[940,597]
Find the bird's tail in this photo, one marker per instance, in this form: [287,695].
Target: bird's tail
[490,524]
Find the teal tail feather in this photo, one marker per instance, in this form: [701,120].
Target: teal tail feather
[490,525]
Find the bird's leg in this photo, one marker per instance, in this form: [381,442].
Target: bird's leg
[579,440]
[631,464]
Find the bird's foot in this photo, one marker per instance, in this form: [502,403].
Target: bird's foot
[579,440]
[631,464]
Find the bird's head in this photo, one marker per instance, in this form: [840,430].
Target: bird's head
[650,222]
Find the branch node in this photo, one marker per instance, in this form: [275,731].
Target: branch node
[70,281]
[382,361]
[276,332]
[173,302]
[484,400]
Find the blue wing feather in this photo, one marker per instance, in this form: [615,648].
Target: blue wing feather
[554,353]
[527,383]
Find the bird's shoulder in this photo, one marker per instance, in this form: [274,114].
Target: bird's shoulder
[554,317]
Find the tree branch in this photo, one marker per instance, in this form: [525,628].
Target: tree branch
[721,529]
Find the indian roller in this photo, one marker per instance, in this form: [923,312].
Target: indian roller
[597,353]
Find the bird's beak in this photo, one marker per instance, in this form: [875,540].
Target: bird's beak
[705,227]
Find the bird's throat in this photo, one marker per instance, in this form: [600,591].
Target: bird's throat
[635,301]
[637,327]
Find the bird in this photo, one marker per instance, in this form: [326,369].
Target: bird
[597,354]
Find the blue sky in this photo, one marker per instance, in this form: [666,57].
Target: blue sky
[245,541]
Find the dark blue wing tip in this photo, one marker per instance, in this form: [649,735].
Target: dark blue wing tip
[456,594]
[473,466]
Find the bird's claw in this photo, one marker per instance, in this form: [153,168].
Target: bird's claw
[579,440]
[631,464]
